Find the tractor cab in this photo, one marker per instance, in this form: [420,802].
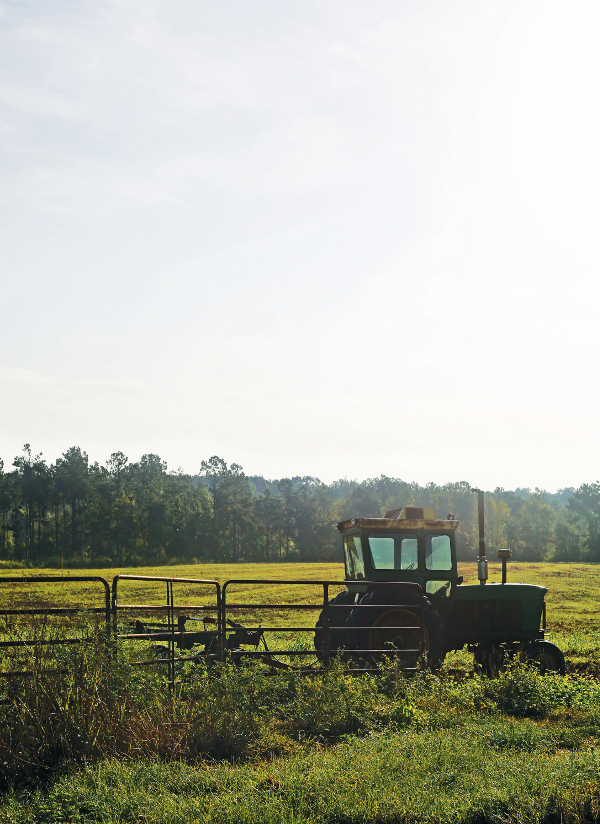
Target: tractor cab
[408,544]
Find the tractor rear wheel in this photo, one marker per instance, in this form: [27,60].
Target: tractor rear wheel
[546,657]
[396,628]
[337,620]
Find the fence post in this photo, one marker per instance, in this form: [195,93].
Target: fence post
[222,622]
[423,650]
[326,621]
[114,605]
[171,630]
[107,606]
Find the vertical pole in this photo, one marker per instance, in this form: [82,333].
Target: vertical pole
[423,644]
[108,618]
[171,629]
[220,641]
[482,564]
[172,637]
[504,570]
[326,621]
[114,606]
[107,607]
[223,622]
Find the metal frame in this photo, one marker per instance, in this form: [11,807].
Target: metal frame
[171,635]
[267,655]
[31,611]
[174,633]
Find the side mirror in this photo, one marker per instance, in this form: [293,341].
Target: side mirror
[460,579]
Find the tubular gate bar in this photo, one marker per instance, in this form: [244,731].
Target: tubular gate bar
[45,611]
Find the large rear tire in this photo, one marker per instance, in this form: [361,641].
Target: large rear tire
[337,621]
[383,629]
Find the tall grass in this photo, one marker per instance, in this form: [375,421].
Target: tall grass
[99,705]
[484,772]
[103,740]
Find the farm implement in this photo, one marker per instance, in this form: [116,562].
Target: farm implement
[402,598]
[275,642]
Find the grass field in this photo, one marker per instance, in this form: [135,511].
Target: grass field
[105,742]
[573,595]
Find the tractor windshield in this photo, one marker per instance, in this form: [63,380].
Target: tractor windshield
[394,551]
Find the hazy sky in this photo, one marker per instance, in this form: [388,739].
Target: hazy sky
[327,238]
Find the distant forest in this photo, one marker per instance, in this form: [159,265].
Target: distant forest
[79,514]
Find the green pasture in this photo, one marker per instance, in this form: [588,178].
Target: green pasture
[234,745]
[103,740]
[430,777]
[572,599]
[148,592]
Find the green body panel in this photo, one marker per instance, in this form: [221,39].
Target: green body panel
[500,592]
[508,608]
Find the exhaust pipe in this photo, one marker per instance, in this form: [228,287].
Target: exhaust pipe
[482,564]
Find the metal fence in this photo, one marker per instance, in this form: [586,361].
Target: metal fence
[162,626]
[407,655]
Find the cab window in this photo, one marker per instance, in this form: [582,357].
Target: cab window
[394,551]
[441,589]
[438,554]
[355,565]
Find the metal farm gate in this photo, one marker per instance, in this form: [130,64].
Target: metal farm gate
[29,626]
[170,634]
[329,611]
[159,618]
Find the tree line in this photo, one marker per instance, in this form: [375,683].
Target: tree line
[73,512]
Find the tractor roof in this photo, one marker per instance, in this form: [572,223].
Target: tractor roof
[409,517]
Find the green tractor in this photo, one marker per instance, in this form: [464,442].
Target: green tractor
[404,594]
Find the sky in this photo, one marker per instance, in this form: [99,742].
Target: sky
[336,239]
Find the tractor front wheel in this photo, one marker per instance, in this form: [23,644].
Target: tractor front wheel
[546,657]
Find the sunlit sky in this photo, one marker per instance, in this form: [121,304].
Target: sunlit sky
[314,238]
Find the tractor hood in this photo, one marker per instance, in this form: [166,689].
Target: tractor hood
[500,592]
